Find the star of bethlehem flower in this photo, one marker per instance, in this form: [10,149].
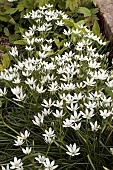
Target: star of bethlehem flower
[59,104]
[47,104]
[67,123]
[73,150]
[49,5]
[38,119]
[50,41]
[105,99]
[53,87]
[27,150]
[39,40]
[9,76]
[94,96]
[67,44]
[80,85]
[16,164]
[79,46]
[28,34]
[40,159]
[49,165]
[41,28]
[49,66]
[102,74]
[33,28]
[89,82]
[19,66]
[30,81]
[95,126]
[73,107]
[16,90]
[16,80]
[109,83]
[51,77]
[7,167]
[46,112]
[111,150]
[71,86]
[24,135]
[67,32]
[29,48]
[94,64]
[67,77]
[3,92]
[76,126]
[90,105]
[78,96]
[46,48]
[19,141]
[48,18]
[70,99]
[14,51]
[43,54]
[20,97]
[77,32]
[49,139]
[75,117]
[40,89]
[34,14]
[87,114]
[49,133]
[30,42]
[26,16]
[58,114]
[60,23]
[105,113]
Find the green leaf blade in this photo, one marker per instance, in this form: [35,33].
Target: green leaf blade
[85,11]
[96,28]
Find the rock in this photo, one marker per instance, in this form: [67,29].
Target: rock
[106,17]
[106,21]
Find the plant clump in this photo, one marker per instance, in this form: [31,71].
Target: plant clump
[58,95]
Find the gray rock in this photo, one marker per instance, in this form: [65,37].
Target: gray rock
[106,20]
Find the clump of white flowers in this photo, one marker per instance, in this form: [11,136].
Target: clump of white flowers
[62,83]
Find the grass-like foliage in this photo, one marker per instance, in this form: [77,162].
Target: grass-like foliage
[57,98]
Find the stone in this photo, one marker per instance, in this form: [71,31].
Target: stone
[106,17]
[106,22]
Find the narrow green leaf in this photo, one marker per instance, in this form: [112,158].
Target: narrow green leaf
[85,11]
[12,21]
[6,32]
[91,162]
[20,42]
[5,60]
[21,30]
[96,28]
[62,50]
[94,2]
[57,42]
